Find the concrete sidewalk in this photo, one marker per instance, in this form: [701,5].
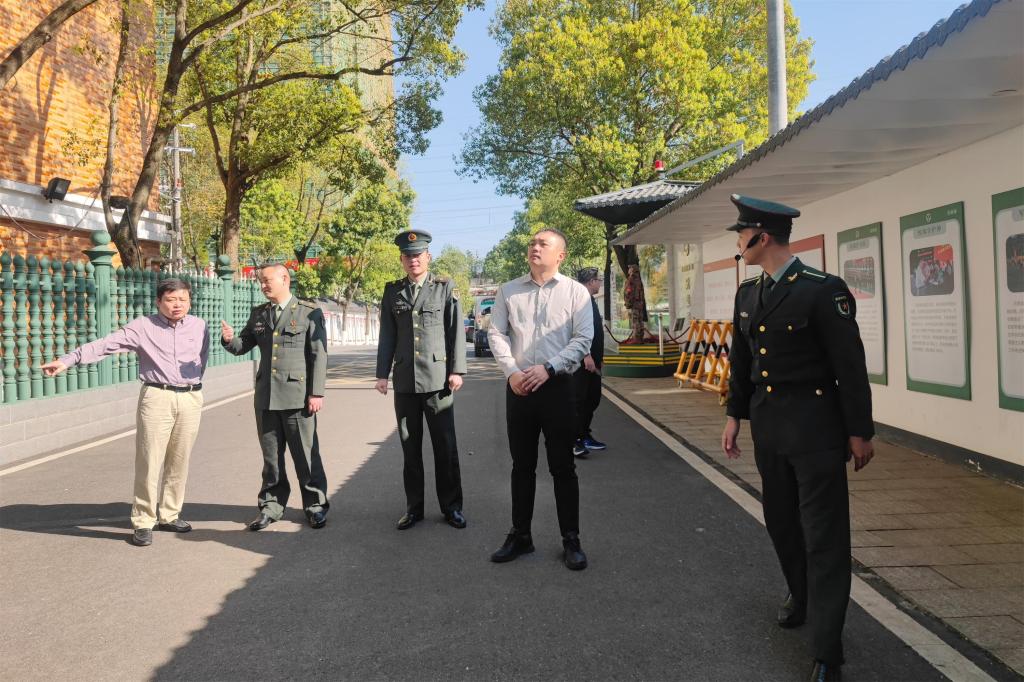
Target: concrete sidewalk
[947,540]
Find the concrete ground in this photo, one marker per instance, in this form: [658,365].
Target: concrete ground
[683,583]
[947,540]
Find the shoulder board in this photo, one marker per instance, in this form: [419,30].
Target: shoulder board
[442,280]
[393,283]
[813,275]
[749,281]
[308,304]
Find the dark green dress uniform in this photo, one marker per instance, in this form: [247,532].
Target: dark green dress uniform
[798,374]
[293,366]
[422,338]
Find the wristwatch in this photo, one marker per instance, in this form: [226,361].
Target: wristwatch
[550,369]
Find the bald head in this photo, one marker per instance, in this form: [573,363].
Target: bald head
[275,282]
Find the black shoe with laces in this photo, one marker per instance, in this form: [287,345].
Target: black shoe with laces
[516,543]
[575,559]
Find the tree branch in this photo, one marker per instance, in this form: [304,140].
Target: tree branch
[40,35]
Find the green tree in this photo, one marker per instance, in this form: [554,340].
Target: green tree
[456,265]
[273,225]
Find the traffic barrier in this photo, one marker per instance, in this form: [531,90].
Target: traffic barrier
[704,357]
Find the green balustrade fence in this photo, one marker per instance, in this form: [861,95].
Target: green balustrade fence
[50,307]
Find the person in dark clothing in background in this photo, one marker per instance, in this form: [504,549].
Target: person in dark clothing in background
[587,379]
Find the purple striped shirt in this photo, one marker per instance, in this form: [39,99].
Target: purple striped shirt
[168,354]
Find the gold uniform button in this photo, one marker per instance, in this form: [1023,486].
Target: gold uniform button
[818,391]
[789,327]
[769,389]
[275,345]
[761,328]
[764,372]
[764,351]
[275,357]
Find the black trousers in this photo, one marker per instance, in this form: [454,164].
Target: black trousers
[439,410]
[807,513]
[550,411]
[295,429]
[588,396]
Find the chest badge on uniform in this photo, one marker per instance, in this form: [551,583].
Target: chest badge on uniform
[743,313]
[842,304]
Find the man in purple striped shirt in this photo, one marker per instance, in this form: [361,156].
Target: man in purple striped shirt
[173,348]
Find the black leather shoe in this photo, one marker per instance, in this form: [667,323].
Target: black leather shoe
[825,672]
[408,520]
[261,522]
[575,559]
[176,526]
[791,614]
[516,543]
[455,518]
[317,519]
[142,537]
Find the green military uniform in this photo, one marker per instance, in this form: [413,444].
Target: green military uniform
[797,372]
[293,367]
[421,337]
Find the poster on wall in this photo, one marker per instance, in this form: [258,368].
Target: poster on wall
[860,265]
[935,301]
[1008,224]
[810,251]
[689,282]
[720,289]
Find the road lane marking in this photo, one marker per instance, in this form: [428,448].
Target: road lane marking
[103,441]
[928,646]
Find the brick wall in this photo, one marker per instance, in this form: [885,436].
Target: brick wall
[54,242]
[53,115]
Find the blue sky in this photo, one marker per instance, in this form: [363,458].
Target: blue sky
[849,37]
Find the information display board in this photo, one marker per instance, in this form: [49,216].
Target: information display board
[860,265]
[935,301]
[1008,225]
[720,285]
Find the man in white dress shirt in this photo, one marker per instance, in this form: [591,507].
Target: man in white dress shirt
[541,327]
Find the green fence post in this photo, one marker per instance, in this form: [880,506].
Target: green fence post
[61,382]
[90,294]
[71,323]
[101,256]
[227,288]
[21,327]
[34,329]
[7,288]
[46,287]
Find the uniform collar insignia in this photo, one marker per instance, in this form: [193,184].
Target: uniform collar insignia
[792,278]
[743,313]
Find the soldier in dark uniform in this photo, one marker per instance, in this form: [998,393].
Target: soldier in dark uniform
[290,387]
[798,374]
[421,335]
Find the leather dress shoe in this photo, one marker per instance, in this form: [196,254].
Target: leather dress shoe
[455,518]
[142,537]
[575,559]
[516,543]
[317,519]
[791,614]
[408,520]
[825,672]
[176,526]
[261,522]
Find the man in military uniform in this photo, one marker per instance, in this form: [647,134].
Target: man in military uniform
[421,335]
[798,374]
[290,386]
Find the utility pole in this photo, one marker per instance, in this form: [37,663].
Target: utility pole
[778,117]
[175,148]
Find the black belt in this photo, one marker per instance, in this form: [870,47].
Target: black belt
[176,389]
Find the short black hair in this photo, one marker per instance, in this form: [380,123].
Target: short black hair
[556,231]
[170,284]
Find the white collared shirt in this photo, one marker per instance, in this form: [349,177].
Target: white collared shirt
[533,324]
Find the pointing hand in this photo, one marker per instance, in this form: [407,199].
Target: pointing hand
[53,368]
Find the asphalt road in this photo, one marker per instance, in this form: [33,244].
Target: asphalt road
[682,584]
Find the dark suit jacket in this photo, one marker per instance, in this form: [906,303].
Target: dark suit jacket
[797,362]
[423,339]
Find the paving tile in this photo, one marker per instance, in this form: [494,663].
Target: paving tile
[911,556]
[1013,517]
[994,553]
[1012,657]
[968,505]
[996,601]
[991,632]
[985,575]
[1005,534]
[884,506]
[864,538]
[935,536]
[914,578]
[953,519]
[877,522]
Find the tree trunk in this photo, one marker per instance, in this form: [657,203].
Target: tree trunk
[107,183]
[231,224]
[40,35]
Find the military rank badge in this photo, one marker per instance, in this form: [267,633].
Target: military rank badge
[842,303]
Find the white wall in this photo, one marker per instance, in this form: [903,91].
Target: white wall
[972,175]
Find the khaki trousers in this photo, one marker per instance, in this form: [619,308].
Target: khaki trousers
[167,425]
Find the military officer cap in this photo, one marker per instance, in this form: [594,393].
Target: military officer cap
[587,274]
[413,241]
[772,217]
